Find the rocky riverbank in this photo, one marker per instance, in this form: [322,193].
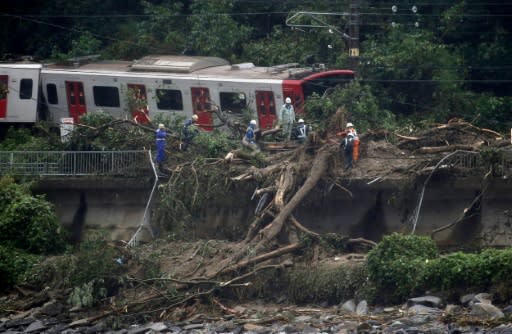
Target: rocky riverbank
[427,314]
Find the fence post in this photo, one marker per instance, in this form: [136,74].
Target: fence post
[74,164]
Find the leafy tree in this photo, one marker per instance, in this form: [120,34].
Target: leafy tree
[28,222]
[162,30]
[358,100]
[95,134]
[13,265]
[397,262]
[38,138]
[412,73]
[213,32]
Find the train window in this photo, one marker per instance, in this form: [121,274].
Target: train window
[322,85]
[106,96]
[26,89]
[51,90]
[169,99]
[3,89]
[234,102]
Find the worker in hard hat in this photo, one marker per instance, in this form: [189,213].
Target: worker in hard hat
[161,136]
[349,145]
[301,131]
[287,118]
[188,132]
[249,139]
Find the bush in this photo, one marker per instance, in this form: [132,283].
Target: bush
[13,265]
[488,270]
[331,285]
[28,222]
[213,144]
[38,138]
[94,261]
[28,226]
[397,263]
[93,272]
[358,100]
[401,266]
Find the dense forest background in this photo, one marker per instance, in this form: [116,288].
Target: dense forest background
[425,60]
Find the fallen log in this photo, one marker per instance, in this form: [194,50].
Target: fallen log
[448,148]
[317,171]
[262,257]
[407,137]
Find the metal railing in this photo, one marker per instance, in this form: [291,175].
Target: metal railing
[502,164]
[71,163]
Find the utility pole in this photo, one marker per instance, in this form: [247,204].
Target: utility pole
[353,42]
[352,38]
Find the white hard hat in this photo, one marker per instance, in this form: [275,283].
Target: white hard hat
[301,120]
[253,122]
[194,117]
[350,125]
[161,126]
[288,100]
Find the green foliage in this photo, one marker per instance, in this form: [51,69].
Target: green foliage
[488,111]
[93,271]
[360,103]
[25,139]
[87,294]
[188,193]
[86,44]
[330,285]
[95,134]
[395,264]
[214,34]
[95,260]
[411,71]
[14,264]
[213,144]
[167,30]
[401,266]
[280,47]
[456,270]
[28,222]
[489,270]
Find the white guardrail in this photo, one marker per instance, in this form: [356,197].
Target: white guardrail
[75,163]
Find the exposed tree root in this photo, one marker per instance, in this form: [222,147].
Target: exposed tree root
[471,206]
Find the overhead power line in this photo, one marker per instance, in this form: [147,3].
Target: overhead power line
[363,13]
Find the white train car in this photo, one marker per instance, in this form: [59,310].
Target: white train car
[19,93]
[167,86]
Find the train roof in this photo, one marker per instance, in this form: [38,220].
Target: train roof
[186,66]
[21,65]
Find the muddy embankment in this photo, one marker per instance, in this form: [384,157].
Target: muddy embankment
[369,209]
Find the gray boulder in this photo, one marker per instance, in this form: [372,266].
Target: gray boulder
[487,311]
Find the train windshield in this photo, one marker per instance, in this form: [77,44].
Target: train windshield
[321,82]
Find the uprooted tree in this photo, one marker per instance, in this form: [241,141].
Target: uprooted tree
[285,179]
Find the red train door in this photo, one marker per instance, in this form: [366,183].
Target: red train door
[139,103]
[4,90]
[266,108]
[76,99]
[201,107]
[293,90]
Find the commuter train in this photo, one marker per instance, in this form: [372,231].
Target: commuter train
[157,85]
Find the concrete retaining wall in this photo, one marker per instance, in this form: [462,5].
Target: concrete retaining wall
[372,211]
